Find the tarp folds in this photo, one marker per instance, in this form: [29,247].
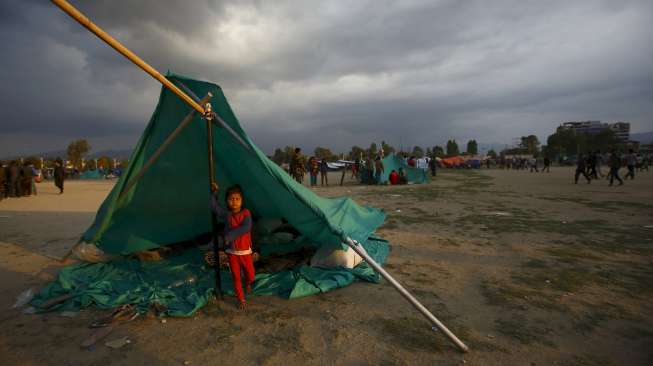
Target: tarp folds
[170,203]
[184,284]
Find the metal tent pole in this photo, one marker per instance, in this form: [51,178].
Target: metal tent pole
[427,314]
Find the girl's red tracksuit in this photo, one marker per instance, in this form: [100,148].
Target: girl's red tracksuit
[238,236]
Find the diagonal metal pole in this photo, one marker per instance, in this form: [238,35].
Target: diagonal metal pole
[185,122]
[427,314]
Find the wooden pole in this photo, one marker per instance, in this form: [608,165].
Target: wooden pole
[83,20]
[214,222]
[427,314]
[185,122]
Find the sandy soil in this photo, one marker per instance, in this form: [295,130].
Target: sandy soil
[528,269]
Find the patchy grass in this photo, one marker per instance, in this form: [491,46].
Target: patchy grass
[588,360]
[519,297]
[636,333]
[518,328]
[535,263]
[566,280]
[390,223]
[571,254]
[600,205]
[408,333]
[596,315]
[634,281]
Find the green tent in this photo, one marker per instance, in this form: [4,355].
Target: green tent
[170,204]
[91,174]
[394,162]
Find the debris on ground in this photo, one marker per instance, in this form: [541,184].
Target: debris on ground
[24,298]
[118,343]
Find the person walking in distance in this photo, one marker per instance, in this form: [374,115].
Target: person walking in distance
[324,170]
[615,165]
[631,161]
[59,175]
[581,167]
[547,164]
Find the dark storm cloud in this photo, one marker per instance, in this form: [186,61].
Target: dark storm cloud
[330,73]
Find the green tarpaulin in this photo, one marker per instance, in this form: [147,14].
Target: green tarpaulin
[184,284]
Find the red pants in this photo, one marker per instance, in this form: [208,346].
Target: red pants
[236,263]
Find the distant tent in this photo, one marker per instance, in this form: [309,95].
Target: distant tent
[394,162]
[452,162]
[170,205]
[91,174]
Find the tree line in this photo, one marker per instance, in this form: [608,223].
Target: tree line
[76,153]
[284,155]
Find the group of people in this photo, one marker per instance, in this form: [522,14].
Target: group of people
[299,166]
[531,164]
[589,166]
[18,179]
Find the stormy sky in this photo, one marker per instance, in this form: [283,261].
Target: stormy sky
[329,73]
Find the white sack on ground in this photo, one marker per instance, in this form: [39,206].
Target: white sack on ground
[326,257]
[91,253]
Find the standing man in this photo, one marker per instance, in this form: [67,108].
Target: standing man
[378,170]
[631,161]
[615,164]
[12,178]
[59,175]
[581,167]
[591,161]
[533,164]
[324,172]
[298,165]
[369,170]
[433,164]
[313,170]
[547,164]
[599,162]
[27,178]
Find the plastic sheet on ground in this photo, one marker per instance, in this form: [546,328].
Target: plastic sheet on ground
[184,284]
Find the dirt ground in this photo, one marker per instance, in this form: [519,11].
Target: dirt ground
[526,268]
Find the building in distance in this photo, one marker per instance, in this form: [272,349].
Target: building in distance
[621,129]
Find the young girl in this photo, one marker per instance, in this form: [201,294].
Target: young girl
[238,238]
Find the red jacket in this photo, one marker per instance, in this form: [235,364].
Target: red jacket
[242,242]
[394,178]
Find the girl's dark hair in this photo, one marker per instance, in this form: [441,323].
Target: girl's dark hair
[232,190]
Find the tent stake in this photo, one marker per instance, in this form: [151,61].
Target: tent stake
[185,122]
[427,314]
